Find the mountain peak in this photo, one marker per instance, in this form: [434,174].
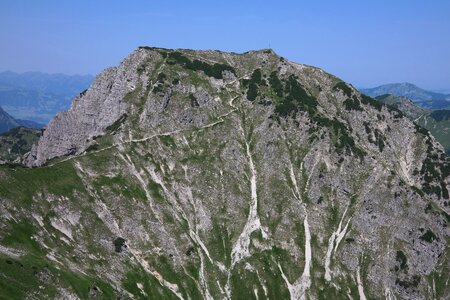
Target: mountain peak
[215,175]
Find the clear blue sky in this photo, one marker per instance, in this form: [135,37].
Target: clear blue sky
[364,42]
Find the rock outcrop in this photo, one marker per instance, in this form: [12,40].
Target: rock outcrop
[90,114]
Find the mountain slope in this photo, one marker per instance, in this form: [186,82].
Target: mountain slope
[6,121]
[425,99]
[404,104]
[203,174]
[436,121]
[16,142]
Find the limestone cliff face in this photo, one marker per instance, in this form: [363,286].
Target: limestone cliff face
[90,114]
[221,176]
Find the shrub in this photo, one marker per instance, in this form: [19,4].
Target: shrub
[428,236]
[119,244]
[194,102]
[256,76]
[117,124]
[215,70]
[255,80]
[161,77]
[402,260]
[352,104]
[370,101]
[344,88]
[276,84]
[252,92]
[296,99]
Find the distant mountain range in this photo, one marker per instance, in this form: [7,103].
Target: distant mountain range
[38,96]
[436,121]
[424,98]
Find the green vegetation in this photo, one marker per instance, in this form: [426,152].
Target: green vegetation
[119,243]
[252,92]
[83,284]
[194,102]
[216,70]
[166,267]
[19,277]
[244,281]
[411,283]
[220,243]
[252,84]
[402,260]
[440,115]
[328,291]
[112,129]
[150,285]
[156,190]
[435,169]
[295,99]
[135,96]
[352,104]
[344,88]
[160,80]
[422,130]
[438,124]
[439,278]
[120,185]
[161,77]
[16,142]
[28,273]
[167,140]
[256,76]
[276,84]
[36,275]
[22,184]
[344,142]
[19,236]
[376,104]
[437,121]
[428,236]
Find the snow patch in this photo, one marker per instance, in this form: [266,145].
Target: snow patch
[241,247]
[298,289]
[333,242]
[362,296]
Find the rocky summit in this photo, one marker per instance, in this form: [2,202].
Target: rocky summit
[186,174]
